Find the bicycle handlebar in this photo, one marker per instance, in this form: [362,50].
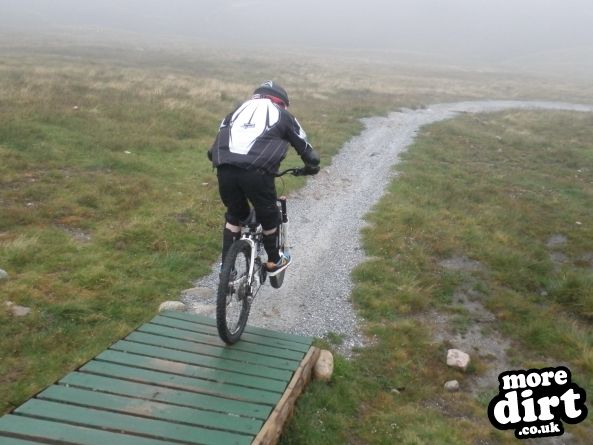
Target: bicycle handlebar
[294,172]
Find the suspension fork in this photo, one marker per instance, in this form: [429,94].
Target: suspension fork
[284,218]
[283,212]
[253,254]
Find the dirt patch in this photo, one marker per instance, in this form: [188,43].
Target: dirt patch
[78,235]
[470,327]
[461,263]
[141,407]
[586,260]
[476,335]
[556,241]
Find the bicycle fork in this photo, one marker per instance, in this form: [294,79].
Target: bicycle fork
[254,281]
[283,235]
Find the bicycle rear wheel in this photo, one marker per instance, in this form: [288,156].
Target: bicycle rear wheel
[233,298]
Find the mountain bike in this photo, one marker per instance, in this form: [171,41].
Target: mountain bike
[244,272]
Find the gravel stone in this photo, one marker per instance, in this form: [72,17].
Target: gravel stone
[452,386]
[325,221]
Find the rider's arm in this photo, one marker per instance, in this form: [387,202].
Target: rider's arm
[310,156]
[298,139]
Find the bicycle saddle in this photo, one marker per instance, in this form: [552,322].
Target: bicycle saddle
[250,221]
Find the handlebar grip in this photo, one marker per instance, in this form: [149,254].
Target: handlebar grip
[309,170]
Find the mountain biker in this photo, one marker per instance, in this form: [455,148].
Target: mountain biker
[251,143]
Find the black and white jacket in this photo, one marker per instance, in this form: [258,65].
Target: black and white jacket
[256,136]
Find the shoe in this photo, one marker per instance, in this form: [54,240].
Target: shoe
[275,268]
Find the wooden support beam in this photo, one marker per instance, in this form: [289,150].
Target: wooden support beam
[272,429]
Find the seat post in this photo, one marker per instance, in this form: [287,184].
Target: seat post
[251,221]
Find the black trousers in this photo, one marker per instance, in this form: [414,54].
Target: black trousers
[238,188]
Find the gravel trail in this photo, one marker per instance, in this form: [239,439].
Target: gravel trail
[325,221]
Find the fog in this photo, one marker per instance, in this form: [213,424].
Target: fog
[482,31]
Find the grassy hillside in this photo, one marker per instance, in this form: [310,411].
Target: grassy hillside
[109,205]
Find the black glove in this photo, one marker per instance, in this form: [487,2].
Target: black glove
[309,169]
[210,155]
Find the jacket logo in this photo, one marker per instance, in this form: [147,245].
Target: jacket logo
[248,125]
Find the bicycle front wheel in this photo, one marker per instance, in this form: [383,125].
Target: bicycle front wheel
[233,298]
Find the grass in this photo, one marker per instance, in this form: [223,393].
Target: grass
[493,188]
[109,206]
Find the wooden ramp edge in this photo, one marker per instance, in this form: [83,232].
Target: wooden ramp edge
[272,429]
[172,381]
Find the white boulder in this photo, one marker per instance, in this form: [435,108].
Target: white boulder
[457,359]
[172,306]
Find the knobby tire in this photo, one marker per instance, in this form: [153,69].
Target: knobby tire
[232,292]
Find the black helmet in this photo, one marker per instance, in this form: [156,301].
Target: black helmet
[271,88]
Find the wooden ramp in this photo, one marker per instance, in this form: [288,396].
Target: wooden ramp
[171,381]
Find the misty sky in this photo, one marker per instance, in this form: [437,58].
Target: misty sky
[491,30]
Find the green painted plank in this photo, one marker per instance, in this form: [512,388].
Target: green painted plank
[211,340]
[249,329]
[56,431]
[211,330]
[13,441]
[168,395]
[203,360]
[151,409]
[130,424]
[213,351]
[174,367]
[179,382]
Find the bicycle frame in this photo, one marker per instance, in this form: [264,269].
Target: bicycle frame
[250,234]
